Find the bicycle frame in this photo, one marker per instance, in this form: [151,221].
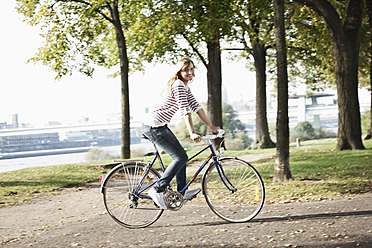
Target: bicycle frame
[213,155]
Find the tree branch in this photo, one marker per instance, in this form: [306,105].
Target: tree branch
[196,50]
[93,7]
[326,11]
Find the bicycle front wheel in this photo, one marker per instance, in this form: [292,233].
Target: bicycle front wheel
[125,199]
[234,192]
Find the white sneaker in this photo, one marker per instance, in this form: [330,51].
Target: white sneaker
[190,194]
[158,198]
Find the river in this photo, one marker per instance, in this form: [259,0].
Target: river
[29,162]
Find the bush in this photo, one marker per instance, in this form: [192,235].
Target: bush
[272,130]
[365,122]
[304,130]
[321,134]
[97,154]
[240,141]
[234,144]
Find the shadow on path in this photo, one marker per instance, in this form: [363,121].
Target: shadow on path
[286,218]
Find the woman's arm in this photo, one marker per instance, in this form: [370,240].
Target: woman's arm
[206,121]
[190,127]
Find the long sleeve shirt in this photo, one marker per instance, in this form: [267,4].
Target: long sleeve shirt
[179,98]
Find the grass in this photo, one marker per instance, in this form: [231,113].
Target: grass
[318,173]
[22,185]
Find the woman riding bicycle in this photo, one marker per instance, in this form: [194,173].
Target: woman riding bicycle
[176,97]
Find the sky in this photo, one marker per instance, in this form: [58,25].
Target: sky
[31,91]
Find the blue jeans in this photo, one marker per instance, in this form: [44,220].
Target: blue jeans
[167,141]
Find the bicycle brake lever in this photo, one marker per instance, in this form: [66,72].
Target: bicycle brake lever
[221,132]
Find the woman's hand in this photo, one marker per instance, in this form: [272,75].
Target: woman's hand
[195,137]
[214,129]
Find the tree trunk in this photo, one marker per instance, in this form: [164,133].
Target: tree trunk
[369,11]
[124,71]
[345,40]
[349,124]
[282,171]
[346,56]
[214,78]
[346,49]
[369,135]
[263,139]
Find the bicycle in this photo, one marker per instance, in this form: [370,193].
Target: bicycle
[232,188]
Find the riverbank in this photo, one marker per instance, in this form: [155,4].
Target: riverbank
[38,153]
[64,158]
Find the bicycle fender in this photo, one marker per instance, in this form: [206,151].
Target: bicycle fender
[231,157]
[106,176]
[119,165]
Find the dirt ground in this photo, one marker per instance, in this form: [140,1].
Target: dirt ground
[77,218]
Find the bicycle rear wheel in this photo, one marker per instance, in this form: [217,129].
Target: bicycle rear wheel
[126,207]
[246,197]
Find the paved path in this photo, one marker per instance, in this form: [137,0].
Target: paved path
[76,218]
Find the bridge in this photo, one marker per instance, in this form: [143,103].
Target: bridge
[66,128]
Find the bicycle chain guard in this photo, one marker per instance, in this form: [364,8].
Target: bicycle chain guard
[173,200]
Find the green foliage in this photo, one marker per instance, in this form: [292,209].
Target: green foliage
[365,51]
[321,134]
[366,122]
[77,35]
[310,61]
[230,120]
[304,130]
[310,51]
[169,28]
[240,141]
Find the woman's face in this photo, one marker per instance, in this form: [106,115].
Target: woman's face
[188,74]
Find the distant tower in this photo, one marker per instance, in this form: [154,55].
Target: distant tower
[15,121]
[224,95]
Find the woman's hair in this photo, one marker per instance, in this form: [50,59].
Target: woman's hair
[182,64]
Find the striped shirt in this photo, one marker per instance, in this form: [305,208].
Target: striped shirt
[180,98]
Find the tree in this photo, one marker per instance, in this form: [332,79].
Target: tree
[201,23]
[230,117]
[206,22]
[345,36]
[79,34]
[254,20]
[309,49]
[369,11]
[254,30]
[282,171]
